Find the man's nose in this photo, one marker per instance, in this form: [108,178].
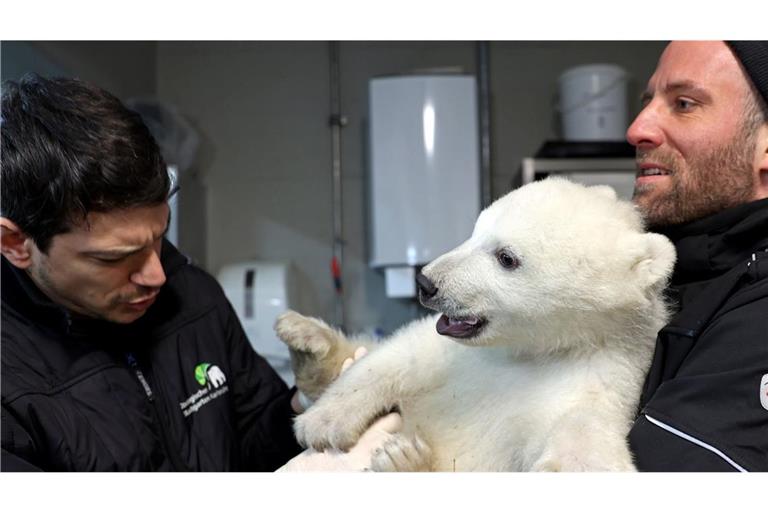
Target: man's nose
[151,273]
[645,131]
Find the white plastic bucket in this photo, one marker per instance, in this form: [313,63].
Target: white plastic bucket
[593,103]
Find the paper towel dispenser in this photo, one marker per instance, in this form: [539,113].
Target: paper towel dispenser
[259,291]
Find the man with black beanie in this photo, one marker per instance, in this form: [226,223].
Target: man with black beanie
[702,180]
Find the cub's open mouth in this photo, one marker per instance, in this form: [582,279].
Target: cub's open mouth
[467,327]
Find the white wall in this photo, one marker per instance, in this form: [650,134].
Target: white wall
[263,108]
[264,178]
[262,185]
[265,182]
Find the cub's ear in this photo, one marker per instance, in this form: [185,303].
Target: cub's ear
[652,258]
[604,190]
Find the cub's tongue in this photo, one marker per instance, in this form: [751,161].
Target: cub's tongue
[455,328]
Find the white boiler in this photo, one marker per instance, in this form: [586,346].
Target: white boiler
[424,171]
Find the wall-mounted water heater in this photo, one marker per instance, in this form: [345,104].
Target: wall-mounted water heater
[425,172]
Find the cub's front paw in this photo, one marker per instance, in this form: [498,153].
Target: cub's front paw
[324,426]
[317,351]
[402,453]
[305,334]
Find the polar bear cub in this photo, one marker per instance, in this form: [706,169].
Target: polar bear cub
[547,317]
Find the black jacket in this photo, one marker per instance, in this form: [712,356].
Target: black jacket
[701,409]
[179,389]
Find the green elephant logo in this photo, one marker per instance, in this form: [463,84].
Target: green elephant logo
[201,373]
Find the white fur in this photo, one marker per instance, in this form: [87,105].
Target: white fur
[553,380]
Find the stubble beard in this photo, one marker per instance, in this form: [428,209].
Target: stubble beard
[41,275]
[709,182]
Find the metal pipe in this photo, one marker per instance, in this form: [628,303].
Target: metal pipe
[484,119]
[336,121]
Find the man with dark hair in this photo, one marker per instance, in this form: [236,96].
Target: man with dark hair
[702,155]
[117,353]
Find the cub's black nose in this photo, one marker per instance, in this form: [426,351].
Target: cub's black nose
[426,287]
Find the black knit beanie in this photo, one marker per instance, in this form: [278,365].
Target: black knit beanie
[754,57]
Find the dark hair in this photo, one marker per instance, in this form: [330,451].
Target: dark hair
[70,148]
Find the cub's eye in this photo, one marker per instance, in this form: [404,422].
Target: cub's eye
[507,259]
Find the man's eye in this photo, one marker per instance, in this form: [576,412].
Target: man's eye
[684,104]
[108,261]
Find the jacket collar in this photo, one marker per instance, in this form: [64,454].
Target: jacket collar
[20,292]
[712,245]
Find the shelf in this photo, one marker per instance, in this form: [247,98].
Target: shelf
[532,166]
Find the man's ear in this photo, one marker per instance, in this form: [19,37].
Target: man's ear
[15,244]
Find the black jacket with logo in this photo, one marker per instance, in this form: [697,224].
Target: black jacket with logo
[179,389]
[705,402]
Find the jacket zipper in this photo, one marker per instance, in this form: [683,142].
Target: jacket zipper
[173,456]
